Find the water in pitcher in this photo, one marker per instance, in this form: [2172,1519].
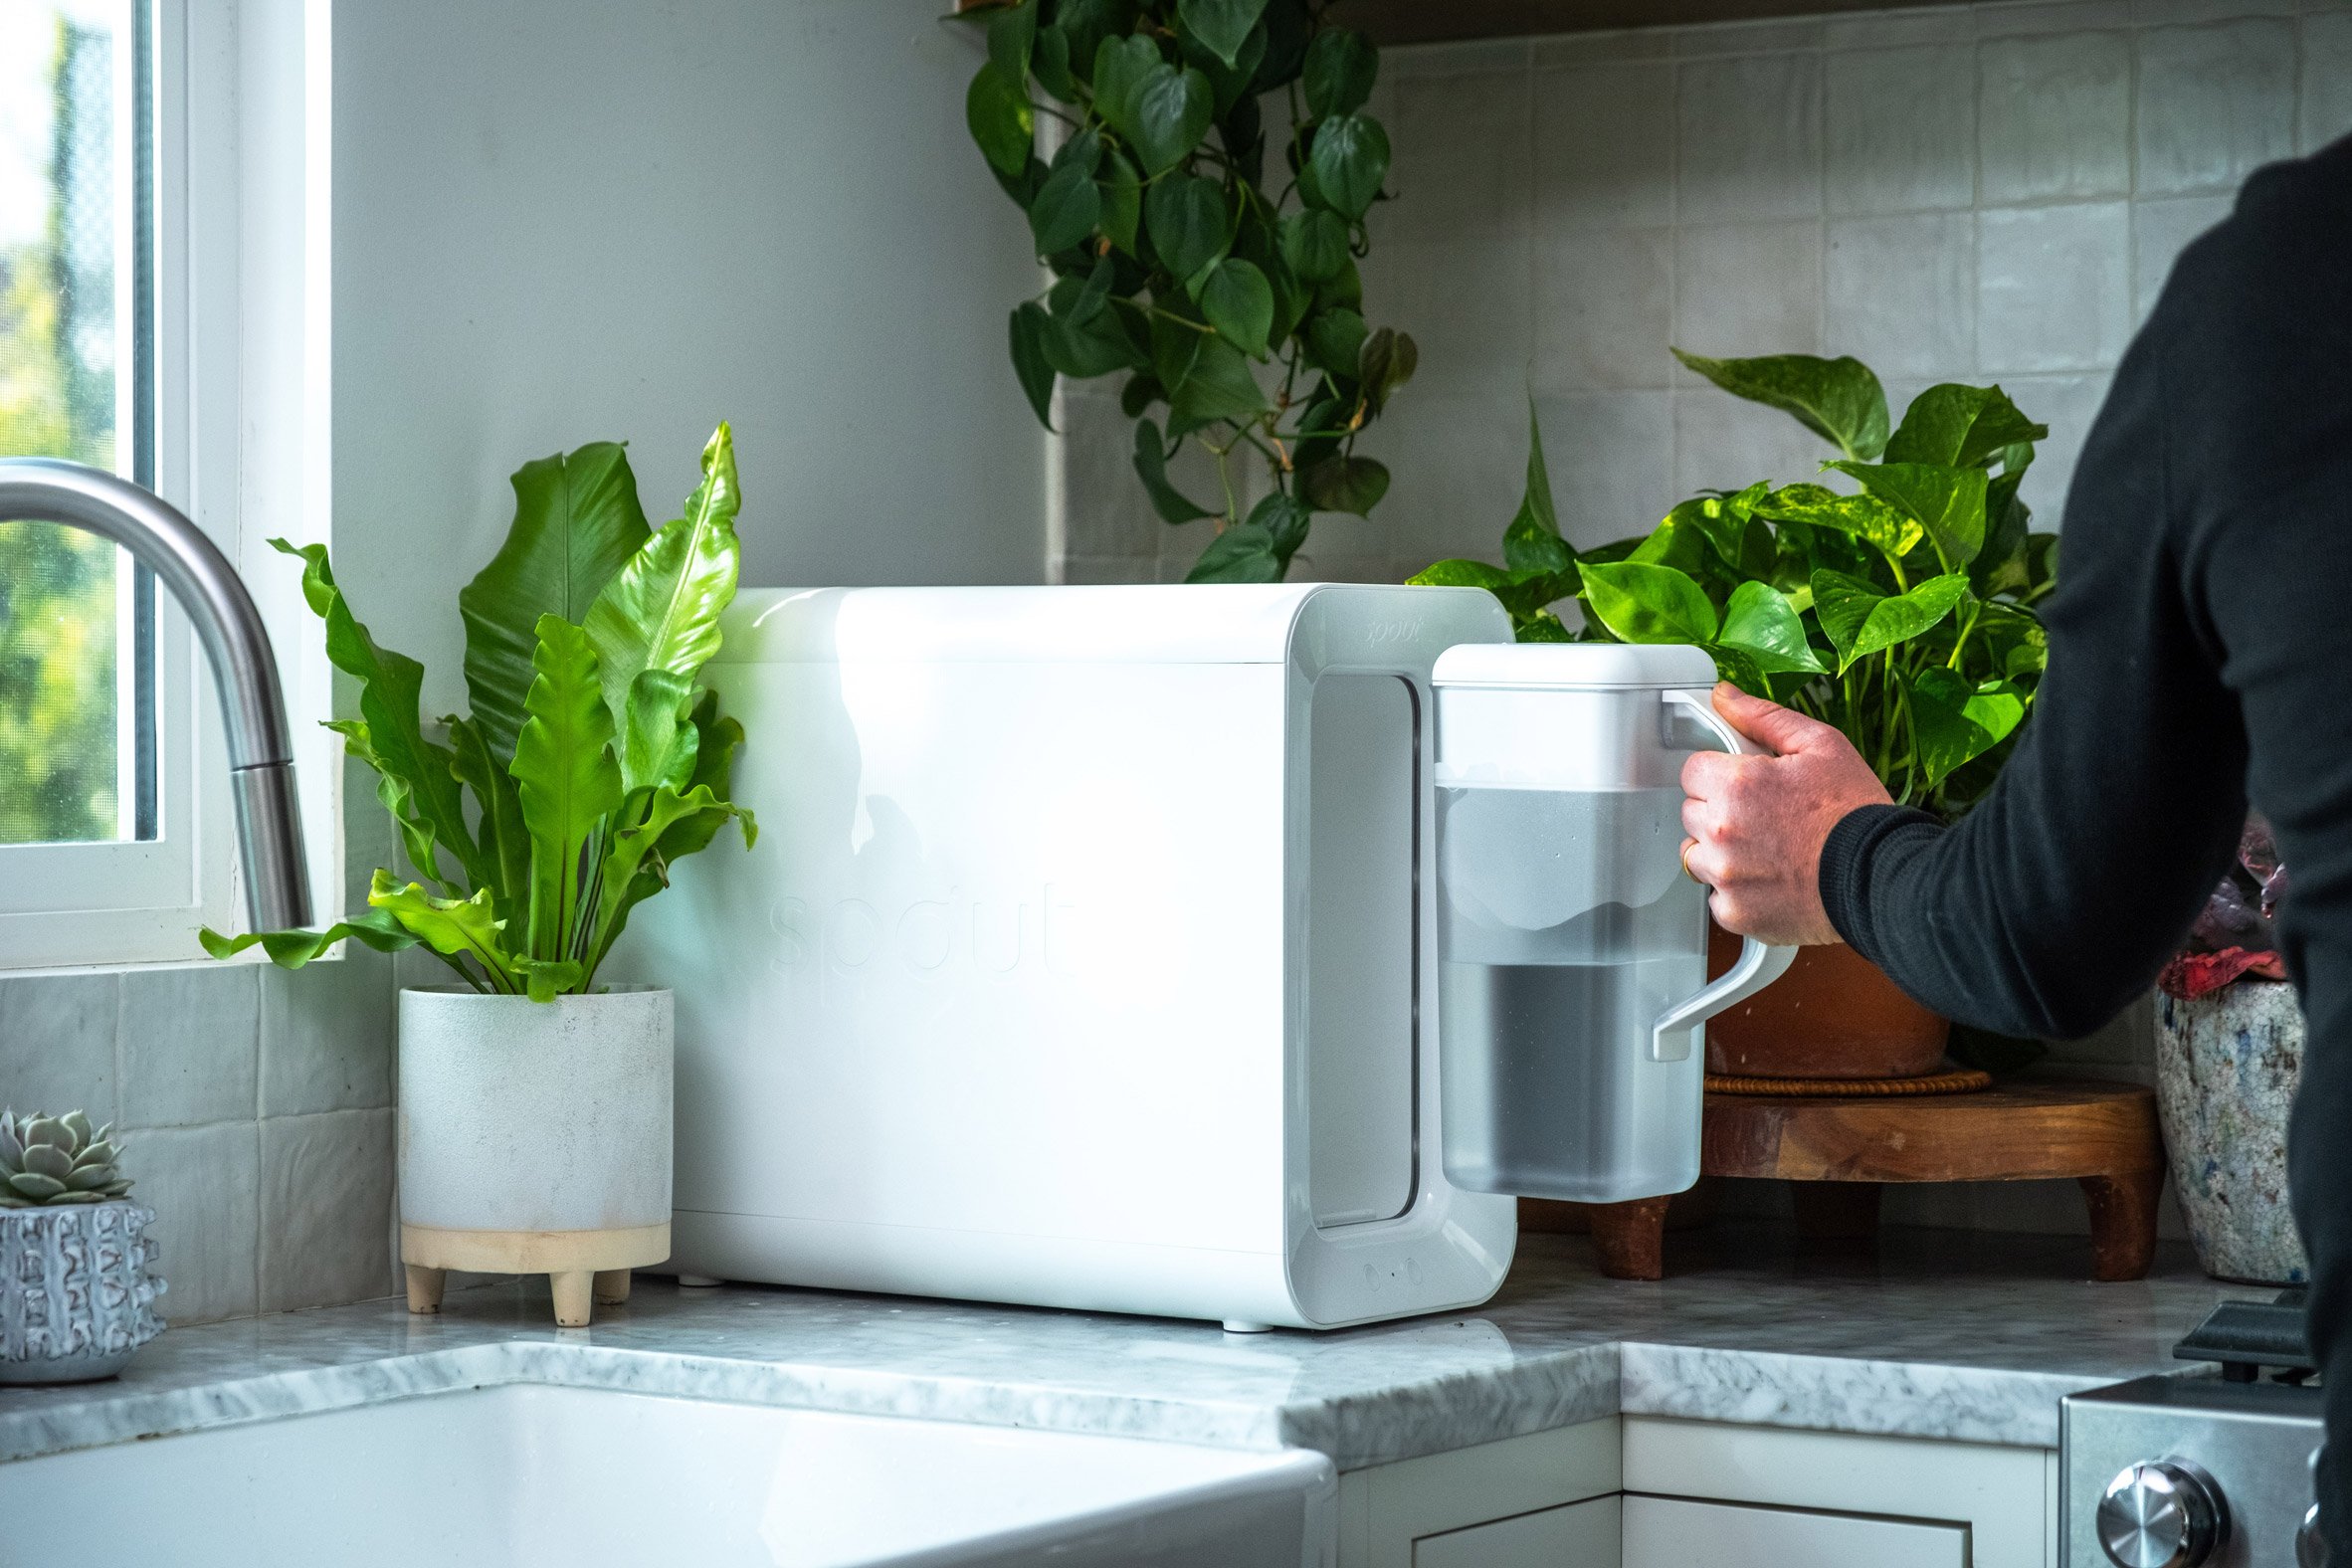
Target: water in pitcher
[1566,927]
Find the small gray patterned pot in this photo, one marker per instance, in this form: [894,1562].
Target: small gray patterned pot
[2227,1065]
[77,1290]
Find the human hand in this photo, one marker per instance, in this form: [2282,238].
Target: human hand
[1757,824]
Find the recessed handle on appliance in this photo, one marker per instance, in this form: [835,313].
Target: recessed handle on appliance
[1759,965]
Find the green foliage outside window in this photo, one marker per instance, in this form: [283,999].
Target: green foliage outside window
[57,585]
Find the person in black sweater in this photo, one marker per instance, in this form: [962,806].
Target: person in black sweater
[2200,656]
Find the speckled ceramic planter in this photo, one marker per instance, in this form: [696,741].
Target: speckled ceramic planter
[2227,1065]
[77,1290]
[535,1138]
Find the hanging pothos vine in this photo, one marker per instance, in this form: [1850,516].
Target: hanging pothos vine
[1173,263]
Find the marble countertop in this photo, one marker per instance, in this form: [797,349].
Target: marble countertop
[1945,1335]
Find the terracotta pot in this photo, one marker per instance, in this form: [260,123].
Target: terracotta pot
[1834,1015]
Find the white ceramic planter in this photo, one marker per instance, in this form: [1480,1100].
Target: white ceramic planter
[2227,1065]
[535,1138]
[77,1290]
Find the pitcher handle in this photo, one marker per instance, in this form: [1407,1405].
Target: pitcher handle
[1759,965]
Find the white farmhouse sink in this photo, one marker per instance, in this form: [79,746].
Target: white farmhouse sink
[529,1477]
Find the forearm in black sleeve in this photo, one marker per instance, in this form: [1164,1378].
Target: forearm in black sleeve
[2054,901]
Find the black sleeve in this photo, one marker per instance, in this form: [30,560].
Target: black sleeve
[2201,649]
[2056,899]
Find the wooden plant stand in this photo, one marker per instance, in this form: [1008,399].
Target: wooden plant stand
[1843,1150]
[582,1267]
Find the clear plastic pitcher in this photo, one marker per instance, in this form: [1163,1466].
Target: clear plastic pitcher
[1572,978]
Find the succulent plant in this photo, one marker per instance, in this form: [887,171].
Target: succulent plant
[57,1159]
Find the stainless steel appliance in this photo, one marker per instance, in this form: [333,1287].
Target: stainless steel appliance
[2200,1471]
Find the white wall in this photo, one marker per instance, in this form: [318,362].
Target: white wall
[564,219]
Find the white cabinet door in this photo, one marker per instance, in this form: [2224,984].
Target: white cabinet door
[1672,1532]
[1580,1535]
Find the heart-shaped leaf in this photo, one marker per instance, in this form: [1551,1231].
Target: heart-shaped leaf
[1956,722]
[1121,67]
[1532,542]
[1223,25]
[1348,163]
[1344,483]
[1123,201]
[1335,341]
[1462,574]
[996,108]
[1960,427]
[1185,217]
[1865,516]
[1239,302]
[1029,327]
[1257,551]
[1012,34]
[1642,603]
[1340,68]
[1838,400]
[1171,113]
[1948,502]
[1861,621]
[1219,387]
[1314,245]
[1068,207]
[1762,624]
[1151,466]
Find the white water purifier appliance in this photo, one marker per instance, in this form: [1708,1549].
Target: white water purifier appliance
[1091,952]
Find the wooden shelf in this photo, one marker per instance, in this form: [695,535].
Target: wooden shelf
[1447,21]
[1451,21]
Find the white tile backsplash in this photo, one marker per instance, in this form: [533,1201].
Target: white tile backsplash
[190,1045]
[57,1044]
[1604,145]
[2160,231]
[1748,289]
[1748,137]
[1604,309]
[1466,305]
[326,1036]
[1901,129]
[325,1209]
[2054,119]
[1611,458]
[1459,155]
[2216,102]
[2054,288]
[2326,96]
[1902,291]
[204,1183]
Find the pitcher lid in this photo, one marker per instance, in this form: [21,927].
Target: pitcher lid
[1586,665]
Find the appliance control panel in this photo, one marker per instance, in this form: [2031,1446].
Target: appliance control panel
[2189,1473]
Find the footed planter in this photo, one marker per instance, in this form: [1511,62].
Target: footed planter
[77,1290]
[535,1138]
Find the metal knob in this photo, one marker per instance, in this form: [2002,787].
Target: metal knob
[2163,1514]
[2310,1545]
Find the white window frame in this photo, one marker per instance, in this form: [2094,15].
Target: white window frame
[243,445]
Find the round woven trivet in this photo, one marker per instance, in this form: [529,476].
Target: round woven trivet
[1960,1081]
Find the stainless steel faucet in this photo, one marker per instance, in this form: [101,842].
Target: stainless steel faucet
[261,750]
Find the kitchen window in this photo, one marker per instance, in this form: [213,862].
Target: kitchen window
[162,315]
